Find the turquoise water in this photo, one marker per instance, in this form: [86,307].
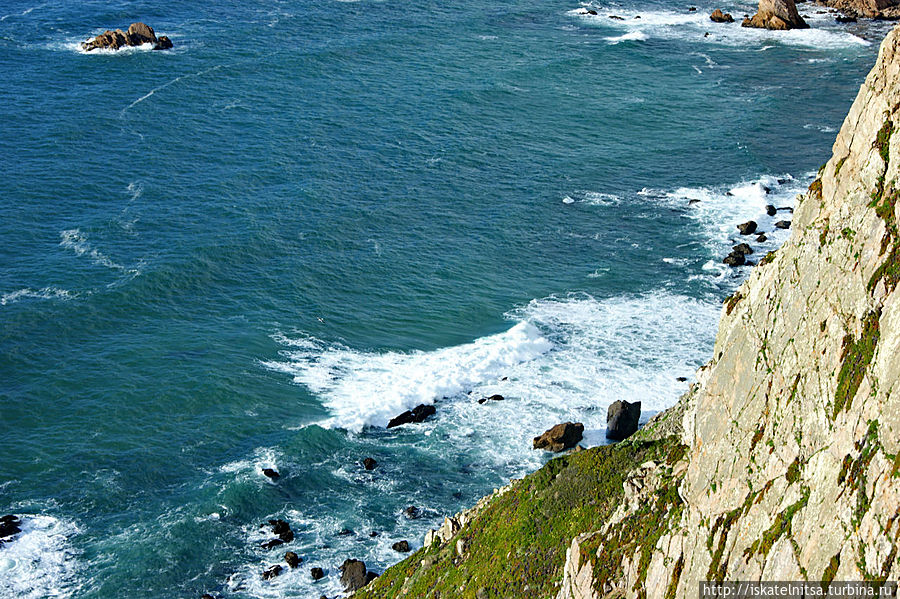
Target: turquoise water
[253,250]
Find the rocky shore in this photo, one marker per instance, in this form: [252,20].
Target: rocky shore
[780,463]
[138,34]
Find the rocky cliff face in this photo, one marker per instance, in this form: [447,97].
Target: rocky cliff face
[871,9]
[781,463]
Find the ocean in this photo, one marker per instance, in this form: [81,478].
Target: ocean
[253,250]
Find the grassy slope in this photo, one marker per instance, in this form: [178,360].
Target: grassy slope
[517,544]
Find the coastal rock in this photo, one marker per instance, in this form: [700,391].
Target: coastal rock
[783,224]
[735,259]
[9,526]
[293,560]
[417,414]
[771,210]
[317,573]
[353,575]
[401,546]
[491,398]
[138,34]
[776,15]
[270,473]
[718,16]
[747,228]
[268,545]
[282,530]
[865,9]
[369,463]
[622,419]
[743,248]
[762,237]
[272,572]
[560,437]
[412,512]
[370,576]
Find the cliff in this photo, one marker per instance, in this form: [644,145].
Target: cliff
[781,463]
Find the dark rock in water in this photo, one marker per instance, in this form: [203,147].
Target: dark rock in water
[138,34]
[268,545]
[346,532]
[9,526]
[560,437]
[692,9]
[273,474]
[317,573]
[622,419]
[206,596]
[10,518]
[718,16]
[369,463]
[417,414]
[353,575]
[734,259]
[742,248]
[491,398]
[292,559]
[282,530]
[591,11]
[370,576]
[747,228]
[681,379]
[616,17]
[770,210]
[762,238]
[692,202]
[786,209]
[783,224]
[401,546]
[844,19]
[272,572]
[412,512]
[373,534]
[768,190]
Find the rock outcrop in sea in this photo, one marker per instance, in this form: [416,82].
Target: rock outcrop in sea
[776,14]
[870,9]
[781,463]
[138,34]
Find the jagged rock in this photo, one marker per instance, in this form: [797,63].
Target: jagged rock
[747,228]
[369,463]
[591,11]
[742,248]
[560,437]
[9,526]
[412,512]
[138,34]
[681,379]
[270,473]
[616,18]
[770,210]
[272,572]
[401,546]
[867,9]
[761,238]
[293,560]
[353,575]
[735,259]
[417,414]
[622,419]
[777,15]
[317,573]
[718,16]
[282,530]
[783,224]
[491,398]
[268,545]
[345,532]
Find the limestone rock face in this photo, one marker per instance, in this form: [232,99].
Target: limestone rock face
[793,428]
[776,14]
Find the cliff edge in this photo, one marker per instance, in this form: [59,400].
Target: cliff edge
[781,463]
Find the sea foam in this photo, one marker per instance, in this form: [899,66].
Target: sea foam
[40,561]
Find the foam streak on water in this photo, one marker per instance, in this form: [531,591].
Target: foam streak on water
[40,561]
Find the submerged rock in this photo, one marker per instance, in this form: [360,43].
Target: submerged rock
[484,400]
[718,16]
[622,419]
[417,414]
[353,575]
[369,463]
[268,545]
[272,572]
[412,512]
[560,437]
[138,34]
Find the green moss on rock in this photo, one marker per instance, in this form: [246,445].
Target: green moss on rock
[857,356]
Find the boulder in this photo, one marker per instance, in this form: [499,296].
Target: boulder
[412,512]
[747,228]
[417,414]
[369,463]
[401,546]
[718,16]
[269,545]
[138,34]
[9,526]
[491,398]
[293,560]
[317,573]
[270,473]
[560,437]
[353,575]
[282,530]
[762,237]
[272,572]
[783,224]
[770,210]
[735,259]
[776,15]
[345,532]
[742,248]
[622,419]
